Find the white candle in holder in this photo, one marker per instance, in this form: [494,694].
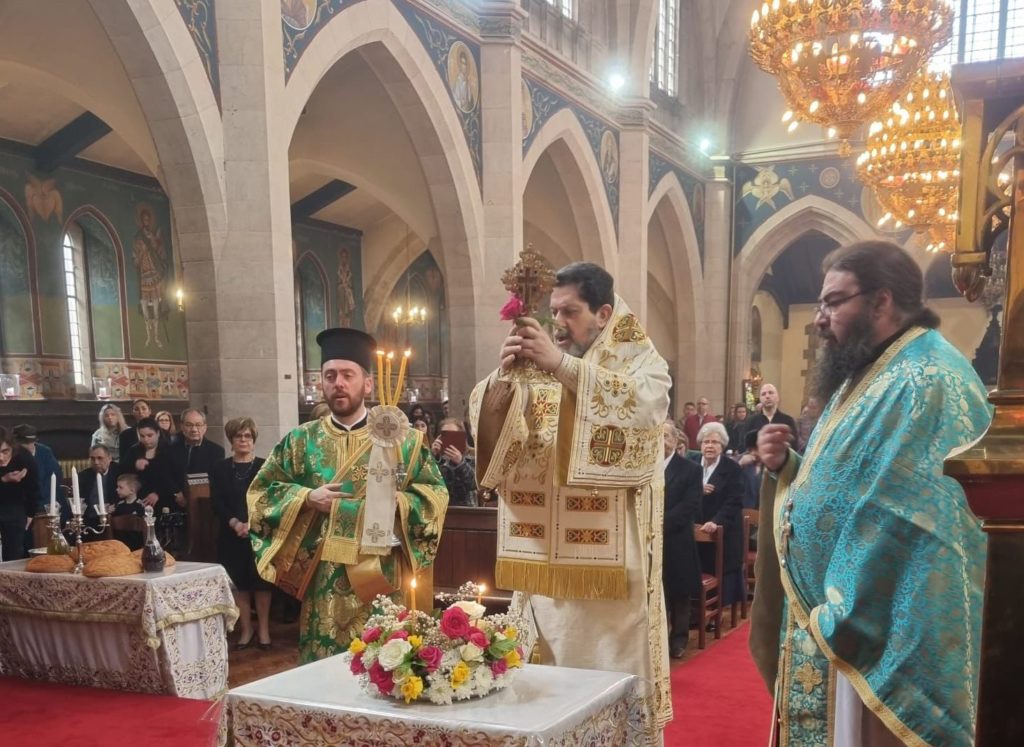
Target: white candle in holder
[53,495]
[76,499]
[99,494]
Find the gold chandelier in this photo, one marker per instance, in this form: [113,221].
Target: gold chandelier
[841,63]
[912,160]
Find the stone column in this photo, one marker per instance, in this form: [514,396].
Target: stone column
[241,306]
[634,144]
[501,87]
[712,376]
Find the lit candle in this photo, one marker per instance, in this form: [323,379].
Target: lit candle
[99,494]
[380,376]
[76,506]
[53,495]
[412,595]
[480,589]
[387,377]
[401,373]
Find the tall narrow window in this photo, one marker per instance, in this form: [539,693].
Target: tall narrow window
[664,67]
[566,7]
[78,309]
[984,30]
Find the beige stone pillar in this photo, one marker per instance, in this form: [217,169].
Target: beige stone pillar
[501,23]
[240,306]
[712,378]
[634,144]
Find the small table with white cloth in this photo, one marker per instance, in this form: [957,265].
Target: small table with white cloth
[151,632]
[322,703]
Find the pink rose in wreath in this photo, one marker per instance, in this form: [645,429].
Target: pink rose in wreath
[371,634]
[403,634]
[382,678]
[455,623]
[478,638]
[431,657]
[357,664]
[499,667]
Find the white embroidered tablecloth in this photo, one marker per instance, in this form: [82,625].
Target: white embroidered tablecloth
[151,632]
[321,703]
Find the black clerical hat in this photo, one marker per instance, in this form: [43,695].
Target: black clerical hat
[347,344]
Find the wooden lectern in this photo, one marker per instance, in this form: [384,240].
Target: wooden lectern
[202,521]
[990,97]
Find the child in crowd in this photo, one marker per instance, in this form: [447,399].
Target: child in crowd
[128,504]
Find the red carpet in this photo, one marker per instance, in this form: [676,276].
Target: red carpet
[719,698]
[47,714]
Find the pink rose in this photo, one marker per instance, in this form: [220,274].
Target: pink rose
[478,638]
[513,309]
[403,634]
[381,678]
[431,657]
[454,623]
[357,664]
[499,667]
[402,615]
[371,634]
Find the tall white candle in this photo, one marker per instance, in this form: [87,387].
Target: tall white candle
[76,499]
[53,495]
[99,494]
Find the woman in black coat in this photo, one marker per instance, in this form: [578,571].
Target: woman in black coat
[722,509]
[681,564]
[150,459]
[229,482]
[19,495]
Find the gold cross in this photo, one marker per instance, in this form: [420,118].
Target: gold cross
[375,533]
[531,278]
[808,676]
[380,473]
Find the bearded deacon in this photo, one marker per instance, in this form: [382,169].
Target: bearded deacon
[569,431]
[346,506]
[866,624]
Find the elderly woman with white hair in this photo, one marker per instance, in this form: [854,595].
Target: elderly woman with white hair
[722,509]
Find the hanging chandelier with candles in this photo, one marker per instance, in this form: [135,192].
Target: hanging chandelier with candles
[912,160]
[409,314]
[841,63]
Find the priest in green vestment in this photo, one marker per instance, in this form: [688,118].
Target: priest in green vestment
[866,621]
[348,506]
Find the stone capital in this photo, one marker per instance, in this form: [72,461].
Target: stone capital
[635,113]
[501,21]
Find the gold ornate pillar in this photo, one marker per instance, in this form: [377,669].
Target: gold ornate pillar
[990,97]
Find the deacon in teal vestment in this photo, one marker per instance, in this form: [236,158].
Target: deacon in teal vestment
[870,566]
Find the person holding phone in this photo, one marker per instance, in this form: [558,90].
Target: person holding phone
[458,467]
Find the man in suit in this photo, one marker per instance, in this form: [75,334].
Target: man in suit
[100,463]
[193,453]
[681,567]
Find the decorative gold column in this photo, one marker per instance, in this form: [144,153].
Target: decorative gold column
[991,101]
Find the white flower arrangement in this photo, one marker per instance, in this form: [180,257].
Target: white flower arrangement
[454,654]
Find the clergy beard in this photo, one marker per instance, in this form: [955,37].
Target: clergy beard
[838,361]
[347,407]
[575,349]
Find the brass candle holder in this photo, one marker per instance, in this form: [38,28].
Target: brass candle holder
[77,526]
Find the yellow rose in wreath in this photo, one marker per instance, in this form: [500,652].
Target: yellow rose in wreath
[460,674]
[411,688]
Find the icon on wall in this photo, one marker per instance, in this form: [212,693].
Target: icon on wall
[609,157]
[298,14]
[43,198]
[150,259]
[463,79]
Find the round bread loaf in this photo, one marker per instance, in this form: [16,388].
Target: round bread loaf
[50,564]
[118,564]
[93,550]
[168,558]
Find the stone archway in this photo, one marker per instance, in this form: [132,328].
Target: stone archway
[382,36]
[563,140]
[668,205]
[811,213]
